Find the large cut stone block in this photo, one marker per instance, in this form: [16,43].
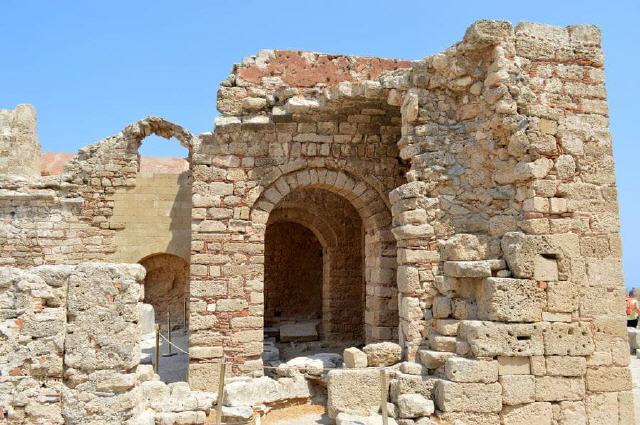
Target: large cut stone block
[568,339]
[383,353]
[609,379]
[477,269]
[518,389]
[356,392]
[466,397]
[528,414]
[412,384]
[488,339]
[558,388]
[511,300]
[299,332]
[459,369]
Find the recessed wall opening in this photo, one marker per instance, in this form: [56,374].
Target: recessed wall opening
[314,275]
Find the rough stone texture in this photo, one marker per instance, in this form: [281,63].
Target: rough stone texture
[382,354]
[353,391]
[19,147]
[483,178]
[354,358]
[411,406]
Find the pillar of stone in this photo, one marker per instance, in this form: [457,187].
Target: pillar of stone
[19,147]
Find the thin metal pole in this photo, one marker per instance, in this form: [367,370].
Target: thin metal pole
[184,310]
[157,353]
[169,330]
[220,393]
[384,396]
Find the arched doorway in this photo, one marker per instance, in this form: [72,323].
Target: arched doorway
[314,282]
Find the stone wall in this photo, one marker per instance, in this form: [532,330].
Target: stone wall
[67,372]
[155,217]
[292,274]
[19,147]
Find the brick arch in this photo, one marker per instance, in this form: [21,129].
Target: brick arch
[381,315]
[370,204]
[322,230]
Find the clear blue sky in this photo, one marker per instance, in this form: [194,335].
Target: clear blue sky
[92,67]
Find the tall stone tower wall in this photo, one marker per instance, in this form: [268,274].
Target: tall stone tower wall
[19,147]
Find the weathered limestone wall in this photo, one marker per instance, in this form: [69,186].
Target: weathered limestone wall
[271,140]
[67,372]
[19,147]
[292,274]
[538,285]
[155,217]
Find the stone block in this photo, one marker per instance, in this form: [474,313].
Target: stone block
[532,413]
[463,247]
[411,406]
[468,397]
[353,391]
[545,268]
[458,369]
[557,388]
[489,339]
[412,384]
[572,413]
[568,339]
[609,379]
[354,358]
[511,300]
[447,327]
[602,409]
[475,269]
[433,359]
[518,389]
[566,366]
[383,354]
[514,365]
[441,307]
[299,332]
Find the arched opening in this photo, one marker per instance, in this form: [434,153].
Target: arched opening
[314,282]
[166,289]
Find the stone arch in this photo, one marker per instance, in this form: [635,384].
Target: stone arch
[136,132]
[166,286]
[370,203]
[381,317]
[320,228]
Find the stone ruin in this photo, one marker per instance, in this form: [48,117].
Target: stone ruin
[452,221]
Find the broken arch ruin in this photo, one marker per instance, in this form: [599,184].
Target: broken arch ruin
[465,206]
